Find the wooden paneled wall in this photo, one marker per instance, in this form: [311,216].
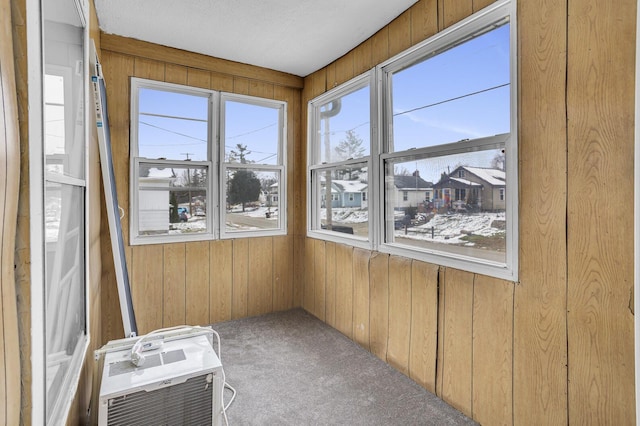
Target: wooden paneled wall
[557,346]
[195,282]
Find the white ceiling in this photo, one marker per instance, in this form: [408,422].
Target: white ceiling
[294,36]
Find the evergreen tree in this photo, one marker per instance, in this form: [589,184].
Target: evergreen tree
[244,187]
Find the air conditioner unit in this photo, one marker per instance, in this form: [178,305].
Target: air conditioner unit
[180,383]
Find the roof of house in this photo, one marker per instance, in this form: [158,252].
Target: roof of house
[350,185]
[410,182]
[494,177]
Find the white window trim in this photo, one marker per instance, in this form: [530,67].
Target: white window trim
[35,76]
[313,163]
[213,96]
[280,167]
[498,12]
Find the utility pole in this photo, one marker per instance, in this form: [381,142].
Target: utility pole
[187,154]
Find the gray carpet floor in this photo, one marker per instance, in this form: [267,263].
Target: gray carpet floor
[289,368]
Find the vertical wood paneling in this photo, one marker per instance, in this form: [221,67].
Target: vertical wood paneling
[299,261]
[261,89]
[379,304]
[260,283]
[399,313]
[492,350]
[173,307]
[309,296]
[455,10]
[10,398]
[221,280]
[330,71]
[221,82]
[380,46]
[147,287]
[344,289]
[344,69]
[362,59]
[424,20]
[282,273]
[458,350]
[198,78]
[540,341]
[400,33]
[424,324]
[361,296]
[330,284]
[197,278]
[600,113]
[320,276]
[441,330]
[147,68]
[175,74]
[318,83]
[241,85]
[481,4]
[240,278]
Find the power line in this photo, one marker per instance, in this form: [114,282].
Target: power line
[451,99]
[171,131]
[250,132]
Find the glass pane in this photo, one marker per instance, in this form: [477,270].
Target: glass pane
[342,200]
[454,203]
[253,200]
[344,127]
[252,133]
[172,200]
[461,93]
[64,92]
[64,289]
[172,125]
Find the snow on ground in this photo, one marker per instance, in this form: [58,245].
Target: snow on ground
[450,228]
[346,215]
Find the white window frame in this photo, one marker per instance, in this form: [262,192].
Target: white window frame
[466,29]
[38,178]
[216,212]
[136,161]
[280,167]
[315,164]
[382,131]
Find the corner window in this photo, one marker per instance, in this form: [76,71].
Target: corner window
[339,162]
[444,155]
[175,185]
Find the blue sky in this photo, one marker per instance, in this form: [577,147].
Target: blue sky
[462,93]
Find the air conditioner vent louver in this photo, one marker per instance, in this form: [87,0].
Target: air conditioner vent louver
[188,403]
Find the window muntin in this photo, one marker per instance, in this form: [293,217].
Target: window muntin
[339,155]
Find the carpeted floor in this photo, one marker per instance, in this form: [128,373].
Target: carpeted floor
[289,368]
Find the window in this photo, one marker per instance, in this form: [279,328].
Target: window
[175,186]
[60,349]
[339,162]
[448,114]
[253,168]
[445,149]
